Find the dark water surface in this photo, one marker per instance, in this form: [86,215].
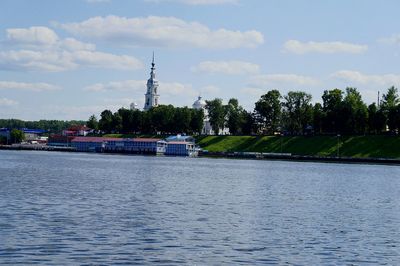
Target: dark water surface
[70,208]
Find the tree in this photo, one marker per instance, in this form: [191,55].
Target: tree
[197,121]
[248,126]
[106,121]
[182,119]
[269,109]
[216,114]
[332,107]
[116,122]
[389,104]
[92,122]
[318,117]
[390,99]
[297,112]
[162,118]
[355,113]
[136,121]
[376,119]
[234,115]
[17,136]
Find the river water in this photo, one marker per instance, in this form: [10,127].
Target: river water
[77,208]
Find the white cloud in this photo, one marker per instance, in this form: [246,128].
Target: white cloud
[197,2]
[43,50]
[162,31]
[392,40]
[358,78]
[37,87]
[252,91]
[297,47]
[165,88]
[54,61]
[209,90]
[32,36]
[7,102]
[282,80]
[125,85]
[75,45]
[227,67]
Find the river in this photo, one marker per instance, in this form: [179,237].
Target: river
[76,208]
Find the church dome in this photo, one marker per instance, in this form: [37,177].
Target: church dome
[199,104]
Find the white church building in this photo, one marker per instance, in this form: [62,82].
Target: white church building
[152,100]
[151,96]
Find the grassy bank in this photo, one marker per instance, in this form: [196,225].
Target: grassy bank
[349,146]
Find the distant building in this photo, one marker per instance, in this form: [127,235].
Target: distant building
[77,130]
[5,133]
[133,106]
[57,140]
[33,134]
[151,96]
[135,145]
[181,138]
[181,148]
[200,104]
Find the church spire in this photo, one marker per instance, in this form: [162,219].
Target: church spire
[152,74]
[151,96]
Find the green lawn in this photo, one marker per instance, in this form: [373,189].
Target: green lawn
[349,146]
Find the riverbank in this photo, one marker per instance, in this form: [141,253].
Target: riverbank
[356,147]
[347,149]
[298,158]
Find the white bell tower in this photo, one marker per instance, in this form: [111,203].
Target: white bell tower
[151,96]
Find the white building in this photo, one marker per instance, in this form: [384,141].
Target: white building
[200,104]
[151,96]
[133,106]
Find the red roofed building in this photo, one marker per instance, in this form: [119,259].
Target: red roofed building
[77,130]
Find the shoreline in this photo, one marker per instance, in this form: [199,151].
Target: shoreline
[305,158]
[236,155]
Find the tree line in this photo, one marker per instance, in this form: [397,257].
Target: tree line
[341,112]
[163,119]
[52,126]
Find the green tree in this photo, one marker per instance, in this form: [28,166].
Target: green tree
[216,114]
[116,123]
[126,119]
[389,104]
[93,123]
[234,116]
[197,121]
[17,136]
[106,121]
[182,119]
[355,113]
[297,112]
[376,119]
[249,124]
[162,118]
[268,109]
[332,107]
[318,118]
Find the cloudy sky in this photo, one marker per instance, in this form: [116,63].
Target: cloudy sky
[70,59]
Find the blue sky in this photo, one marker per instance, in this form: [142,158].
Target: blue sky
[70,59]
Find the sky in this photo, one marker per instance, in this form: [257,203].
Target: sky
[70,59]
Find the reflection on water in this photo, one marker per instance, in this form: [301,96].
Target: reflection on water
[68,208]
